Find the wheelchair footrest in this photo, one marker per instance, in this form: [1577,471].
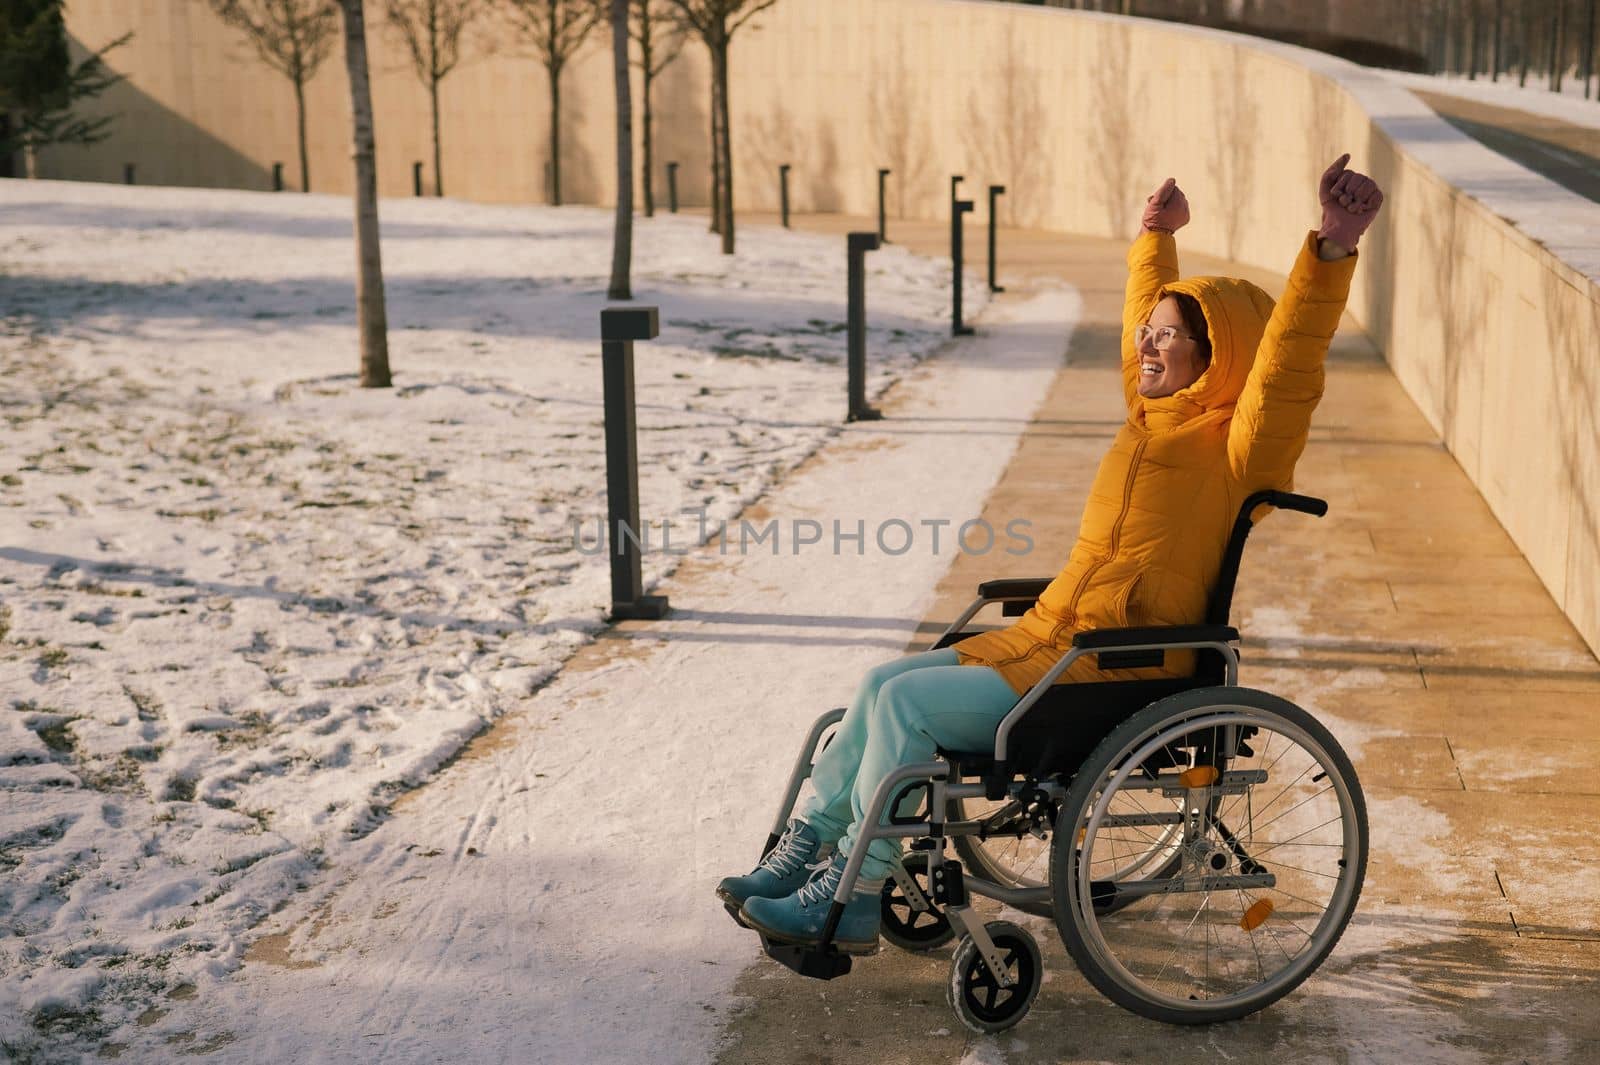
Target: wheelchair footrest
[808,961]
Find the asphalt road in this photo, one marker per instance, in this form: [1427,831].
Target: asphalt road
[1565,153]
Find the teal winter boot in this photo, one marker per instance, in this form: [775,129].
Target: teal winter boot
[798,919]
[785,868]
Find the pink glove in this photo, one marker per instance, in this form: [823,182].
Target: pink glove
[1167,209]
[1350,202]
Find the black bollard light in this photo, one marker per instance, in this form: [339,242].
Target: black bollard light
[883,233]
[672,187]
[416,179]
[995,191]
[957,209]
[127,173]
[783,193]
[858,244]
[619,328]
[277,177]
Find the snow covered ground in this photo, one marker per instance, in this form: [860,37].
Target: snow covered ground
[245,604]
[549,898]
[1568,105]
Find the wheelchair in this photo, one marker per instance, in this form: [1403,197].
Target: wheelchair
[1199,845]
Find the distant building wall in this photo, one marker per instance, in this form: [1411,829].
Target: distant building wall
[1491,326]
[199,107]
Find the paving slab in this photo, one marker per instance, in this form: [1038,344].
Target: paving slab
[1409,623]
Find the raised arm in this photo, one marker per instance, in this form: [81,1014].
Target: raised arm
[1273,417]
[1152,263]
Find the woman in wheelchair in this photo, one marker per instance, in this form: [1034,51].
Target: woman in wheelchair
[1220,384]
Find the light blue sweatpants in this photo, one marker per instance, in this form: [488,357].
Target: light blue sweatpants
[901,712]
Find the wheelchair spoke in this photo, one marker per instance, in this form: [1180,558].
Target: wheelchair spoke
[1320,906]
[1286,789]
[1244,904]
[1300,869]
[1258,848]
[1237,799]
[1186,929]
[1182,943]
[1291,810]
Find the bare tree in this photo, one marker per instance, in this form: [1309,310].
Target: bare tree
[292,37]
[556,29]
[715,22]
[622,230]
[431,30]
[1115,145]
[660,40]
[1234,151]
[771,138]
[371,316]
[899,128]
[1009,150]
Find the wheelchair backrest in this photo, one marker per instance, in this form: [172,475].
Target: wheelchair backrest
[1221,602]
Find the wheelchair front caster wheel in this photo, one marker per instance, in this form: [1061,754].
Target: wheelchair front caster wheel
[906,926]
[977,995]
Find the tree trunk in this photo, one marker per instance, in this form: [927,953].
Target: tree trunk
[369,265]
[1588,49]
[1472,48]
[1523,50]
[8,160]
[30,161]
[719,68]
[1451,55]
[648,172]
[1555,47]
[555,135]
[1495,40]
[622,230]
[716,165]
[300,121]
[438,171]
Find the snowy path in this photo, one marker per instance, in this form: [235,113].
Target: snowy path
[245,605]
[548,899]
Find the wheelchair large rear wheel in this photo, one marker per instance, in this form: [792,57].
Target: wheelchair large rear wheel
[1268,826]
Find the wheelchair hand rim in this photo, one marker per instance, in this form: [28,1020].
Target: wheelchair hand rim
[1133,755]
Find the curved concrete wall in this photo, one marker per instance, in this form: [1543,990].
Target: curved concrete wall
[1479,284]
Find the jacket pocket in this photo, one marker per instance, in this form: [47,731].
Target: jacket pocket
[1123,611]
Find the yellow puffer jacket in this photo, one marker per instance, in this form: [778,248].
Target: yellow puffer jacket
[1162,504]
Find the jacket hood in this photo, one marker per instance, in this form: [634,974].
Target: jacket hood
[1236,316]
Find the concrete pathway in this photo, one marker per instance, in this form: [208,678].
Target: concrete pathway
[1410,624]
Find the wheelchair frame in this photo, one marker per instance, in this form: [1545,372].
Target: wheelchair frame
[949,884]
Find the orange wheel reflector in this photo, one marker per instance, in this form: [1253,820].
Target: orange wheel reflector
[1255,915]
[1201,776]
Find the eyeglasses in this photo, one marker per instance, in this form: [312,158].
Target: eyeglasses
[1161,337]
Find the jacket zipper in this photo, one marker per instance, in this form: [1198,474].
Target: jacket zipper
[1116,536]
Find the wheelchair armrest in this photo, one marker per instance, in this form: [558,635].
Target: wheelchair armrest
[1110,639]
[1014,588]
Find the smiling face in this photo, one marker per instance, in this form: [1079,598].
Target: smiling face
[1165,371]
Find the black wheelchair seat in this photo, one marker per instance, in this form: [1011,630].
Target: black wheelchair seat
[1068,722]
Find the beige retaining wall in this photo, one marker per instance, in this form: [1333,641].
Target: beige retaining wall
[1496,337]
